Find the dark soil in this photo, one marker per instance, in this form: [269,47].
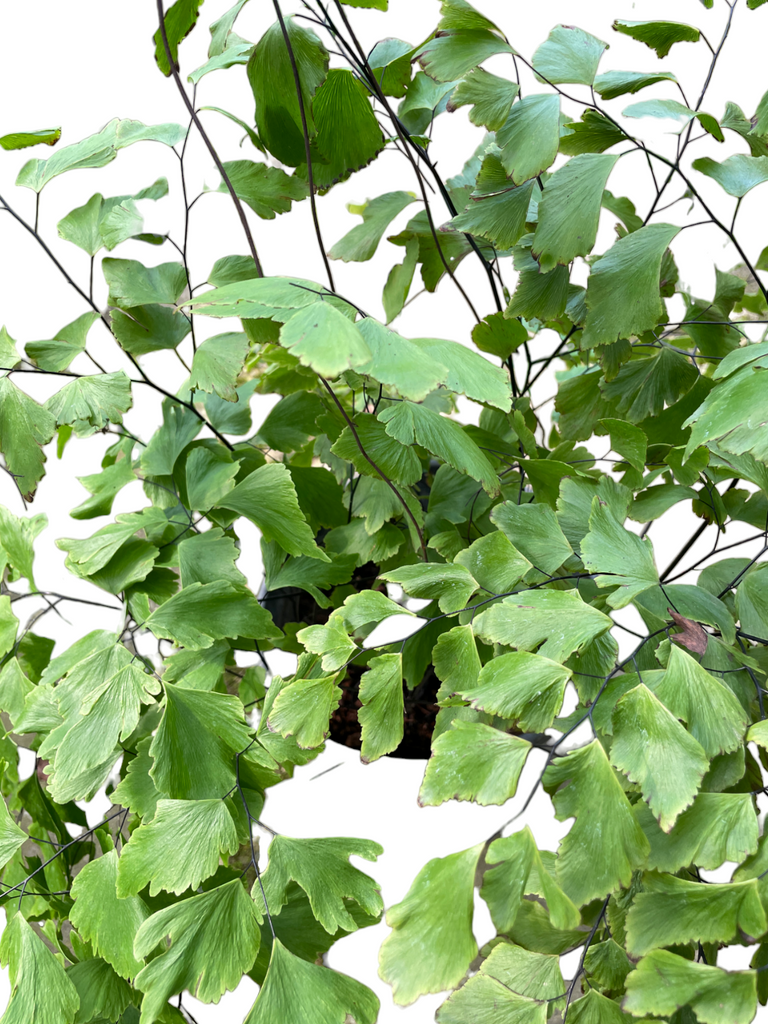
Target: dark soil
[290,604]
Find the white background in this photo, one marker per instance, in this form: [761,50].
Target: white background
[93,60]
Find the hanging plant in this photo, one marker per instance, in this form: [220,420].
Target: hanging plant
[522,534]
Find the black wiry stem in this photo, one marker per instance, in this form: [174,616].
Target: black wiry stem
[193,114]
[305,129]
[382,474]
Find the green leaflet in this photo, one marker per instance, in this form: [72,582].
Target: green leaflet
[399,362]
[607,964]
[348,134]
[678,112]
[625,559]
[471,761]
[593,133]
[242,294]
[291,423]
[107,222]
[416,424]
[390,60]
[500,218]
[539,296]
[394,459]
[623,289]
[424,100]
[729,416]
[59,352]
[329,641]
[100,701]
[399,280]
[270,75]
[235,53]
[569,210]
[133,284]
[303,709]
[268,498]
[109,924]
[324,340]
[204,612]
[148,329]
[671,910]
[605,843]
[459,14]
[267,190]
[569,54]
[498,336]
[737,175]
[137,791]
[521,871]
[11,836]
[208,478]
[535,532]
[321,867]
[655,751]
[469,373]
[451,54]
[17,537]
[456,661]
[222,29]
[9,625]
[103,994]
[209,557]
[663,981]
[299,932]
[644,386]
[618,83]
[85,557]
[294,990]
[96,151]
[217,364]
[660,36]
[494,562]
[24,427]
[713,714]
[485,1000]
[90,403]
[214,939]
[203,769]
[381,714]
[715,828]
[178,848]
[627,440]
[523,687]
[529,138]
[450,585]
[22,140]
[307,573]
[515,970]
[9,356]
[40,989]
[178,21]
[491,98]
[361,242]
[367,608]
[431,944]
[559,621]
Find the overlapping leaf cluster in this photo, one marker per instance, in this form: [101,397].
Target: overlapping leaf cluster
[523,538]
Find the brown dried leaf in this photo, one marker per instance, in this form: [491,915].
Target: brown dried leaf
[692,635]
